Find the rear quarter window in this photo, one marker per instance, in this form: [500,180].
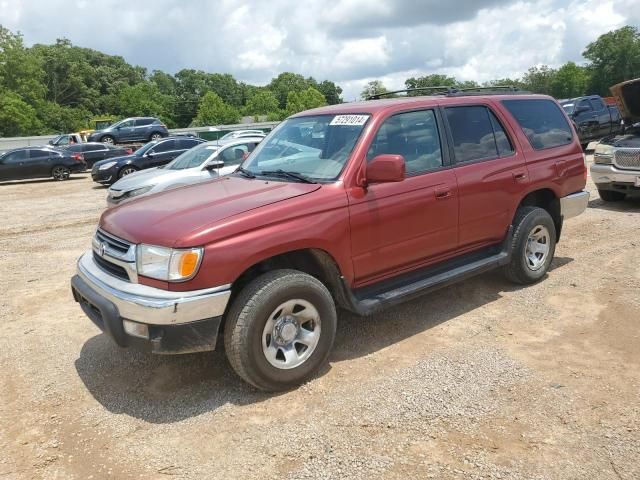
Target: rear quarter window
[542,122]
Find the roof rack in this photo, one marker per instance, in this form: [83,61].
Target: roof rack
[449,91]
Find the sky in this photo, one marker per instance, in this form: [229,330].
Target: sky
[349,42]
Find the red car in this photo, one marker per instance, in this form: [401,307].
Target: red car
[359,206]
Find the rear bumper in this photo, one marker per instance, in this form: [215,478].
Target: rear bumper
[171,322]
[574,204]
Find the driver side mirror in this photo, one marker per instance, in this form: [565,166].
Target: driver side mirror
[386,168]
[214,164]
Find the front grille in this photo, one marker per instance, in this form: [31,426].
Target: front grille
[115,244]
[111,268]
[627,158]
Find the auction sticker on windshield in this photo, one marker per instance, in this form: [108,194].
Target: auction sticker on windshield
[349,120]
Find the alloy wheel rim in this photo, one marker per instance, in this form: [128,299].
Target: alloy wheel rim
[128,171]
[537,248]
[60,173]
[291,334]
[107,140]
[155,136]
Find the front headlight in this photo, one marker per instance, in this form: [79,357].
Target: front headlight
[139,191]
[107,165]
[603,153]
[168,264]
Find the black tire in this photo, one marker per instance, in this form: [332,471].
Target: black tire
[108,139]
[611,196]
[155,136]
[60,173]
[247,319]
[527,222]
[126,170]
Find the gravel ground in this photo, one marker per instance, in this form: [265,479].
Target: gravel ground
[480,380]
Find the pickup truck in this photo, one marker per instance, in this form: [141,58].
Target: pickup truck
[616,161]
[392,199]
[592,118]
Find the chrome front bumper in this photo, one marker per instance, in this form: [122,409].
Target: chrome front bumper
[574,204]
[605,174]
[149,305]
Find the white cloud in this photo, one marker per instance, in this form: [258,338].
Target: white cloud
[350,42]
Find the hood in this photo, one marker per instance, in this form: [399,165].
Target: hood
[628,100]
[630,140]
[167,217]
[141,179]
[115,159]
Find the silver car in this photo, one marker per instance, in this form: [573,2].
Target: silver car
[242,134]
[201,163]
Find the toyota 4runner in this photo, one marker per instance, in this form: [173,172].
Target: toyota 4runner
[358,206]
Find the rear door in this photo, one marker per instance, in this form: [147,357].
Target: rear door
[93,153]
[40,162]
[397,227]
[141,130]
[490,173]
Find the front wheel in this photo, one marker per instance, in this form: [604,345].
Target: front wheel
[60,173]
[280,329]
[611,195]
[128,170]
[533,247]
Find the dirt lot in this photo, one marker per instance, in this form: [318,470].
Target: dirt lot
[481,380]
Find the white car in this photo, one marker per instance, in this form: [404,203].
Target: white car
[243,134]
[201,163]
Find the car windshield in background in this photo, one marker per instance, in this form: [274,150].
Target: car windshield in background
[568,107]
[148,146]
[192,158]
[316,147]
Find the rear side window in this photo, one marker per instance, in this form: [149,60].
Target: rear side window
[187,143]
[93,148]
[164,146]
[477,134]
[541,121]
[140,122]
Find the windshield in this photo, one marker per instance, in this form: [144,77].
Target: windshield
[316,146]
[568,107]
[193,158]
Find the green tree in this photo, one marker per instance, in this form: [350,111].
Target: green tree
[434,80]
[374,87]
[213,111]
[287,82]
[570,81]
[615,57]
[16,116]
[539,79]
[505,82]
[305,100]
[332,92]
[262,102]
[20,71]
[144,99]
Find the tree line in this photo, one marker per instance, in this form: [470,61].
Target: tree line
[61,87]
[612,58]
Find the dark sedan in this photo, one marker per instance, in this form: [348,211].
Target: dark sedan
[153,154]
[94,152]
[40,162]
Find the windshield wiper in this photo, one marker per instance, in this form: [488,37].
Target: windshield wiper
[283,173]
[245,172]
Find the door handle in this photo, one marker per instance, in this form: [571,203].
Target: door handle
[442,193]
[519,176]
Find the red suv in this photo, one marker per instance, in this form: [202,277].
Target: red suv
[358,206]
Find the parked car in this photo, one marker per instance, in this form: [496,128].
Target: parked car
[204,162]
[66,139]
[243,133]
[138,129]
[616,161]
[39,162]
[95,151]
[593,118]
[153,154]
[400,197]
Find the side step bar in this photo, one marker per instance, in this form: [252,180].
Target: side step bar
[433,279]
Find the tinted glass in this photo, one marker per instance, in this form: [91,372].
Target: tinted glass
[187,143]
[193,158]
[414,135]
[472,132]
[77,148]
[541,121]
[144,121]
[15,157]
[164,146]
[585,104]
[597,104]
[505,147]
[125,124]
[37,154]
[93,148]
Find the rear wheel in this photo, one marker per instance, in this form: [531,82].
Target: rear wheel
[155,136]
[60,173]
[108,139]
[533,247]
[611,196]
[128,170]
[280,329]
